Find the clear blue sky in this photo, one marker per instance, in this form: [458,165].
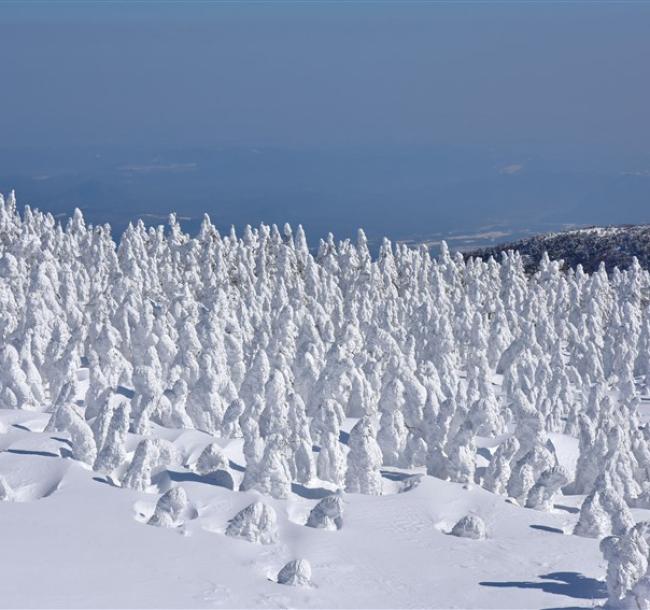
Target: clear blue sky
[553,80]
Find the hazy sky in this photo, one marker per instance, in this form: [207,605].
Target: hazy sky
[573,76]
[412,119]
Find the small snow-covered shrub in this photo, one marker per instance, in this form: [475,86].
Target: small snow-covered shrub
[470,526]
[327,514]
[296,573]
[211,460]
[170,508]
[541,496]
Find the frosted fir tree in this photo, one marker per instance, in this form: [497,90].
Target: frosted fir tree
[106,403]
[15,390]
[619,513]
[150,457]
[439,432]
[593,449]
[274,417]
[620,462]
[461,450]
[27,364]
[171,508]
[256,523]
[392,433]
[214,465]
[253,448]
[209,396]
[230,424]
[499,469]
[148,391]
[327,514]
[302,465]
[66,419]
[642,360]
[527,471]
[256,377]
[500,336]
[296,573]
[171,408]
[415,394]
[603,512]
[111,438]
[641,451]
[530,425]
[211,459]
[273,473]
[627,557]
[325,428]
[485,412]
[364,460]
[550,482]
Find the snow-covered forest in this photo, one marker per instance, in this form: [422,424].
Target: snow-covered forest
[332,370]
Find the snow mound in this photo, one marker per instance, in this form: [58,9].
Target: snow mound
[409,483]
[256,523]
[27,480]
[296,573]
[470,526]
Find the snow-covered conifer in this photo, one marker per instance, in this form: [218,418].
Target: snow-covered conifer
[462,455]
[499,469]
[540,497]
[170,508]
[151,456]
[470,526]
[255,523]
[296,573]
[112,452]
[328,513]
[364,460]
[66,419]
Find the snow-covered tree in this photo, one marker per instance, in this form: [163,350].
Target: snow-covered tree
[255,523]
[364,460]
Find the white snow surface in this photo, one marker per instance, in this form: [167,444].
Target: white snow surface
[76,541]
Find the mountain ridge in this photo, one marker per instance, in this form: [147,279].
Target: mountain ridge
[614,245]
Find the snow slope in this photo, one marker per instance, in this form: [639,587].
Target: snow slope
[76,541]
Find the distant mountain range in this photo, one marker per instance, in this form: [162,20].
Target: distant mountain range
[616,246]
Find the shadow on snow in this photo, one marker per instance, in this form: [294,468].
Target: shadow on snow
[571,584]
[547,528]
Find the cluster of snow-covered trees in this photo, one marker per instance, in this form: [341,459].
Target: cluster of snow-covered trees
[252,336]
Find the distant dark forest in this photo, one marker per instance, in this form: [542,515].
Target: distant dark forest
[615,246]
